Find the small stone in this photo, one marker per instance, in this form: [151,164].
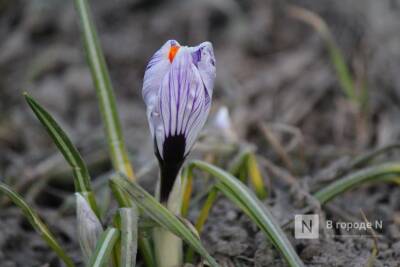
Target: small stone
[231,215]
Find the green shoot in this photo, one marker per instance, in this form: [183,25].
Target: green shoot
[202,218]
[146,250]
[104,248]
[345,78]
[245,166]
[364,159]
[187,176]
[389,172]
[68,150]
[163,216]
[37,223]
[104,90]
[255,176]
[205,211]
[238,193]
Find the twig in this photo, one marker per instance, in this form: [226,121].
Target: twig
[278,171]
[276,145]
[375,249]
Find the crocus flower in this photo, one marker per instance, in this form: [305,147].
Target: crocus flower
[177,89]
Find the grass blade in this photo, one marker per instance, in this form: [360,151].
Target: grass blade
[381,173]
[202,218]
[364,159]
[335,54]
[129,236]
[205,210]
[104,248]
[68,150]
[64,144]
[146,250]
[187,177]
[245,166]
[163,216]
[104,90]
[256,178]
[37,223]
[251,205]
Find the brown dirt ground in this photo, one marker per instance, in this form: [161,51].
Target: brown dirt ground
[272,69]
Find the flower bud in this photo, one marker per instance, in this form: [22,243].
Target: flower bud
[177,89]
[222,122]
[89,226]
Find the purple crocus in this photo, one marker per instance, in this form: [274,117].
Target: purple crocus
[177,89]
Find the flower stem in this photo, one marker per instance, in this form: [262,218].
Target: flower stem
[168,247]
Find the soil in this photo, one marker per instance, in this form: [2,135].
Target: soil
[271,68]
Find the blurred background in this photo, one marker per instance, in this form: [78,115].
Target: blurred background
[279,72]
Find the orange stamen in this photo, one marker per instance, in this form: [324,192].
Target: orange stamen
[172,52]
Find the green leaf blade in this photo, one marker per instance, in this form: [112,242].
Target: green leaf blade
[64,144]
[104,90]
[162,216]
[71,154]
[384,172]
[254,208]
[37,223]
[104,248]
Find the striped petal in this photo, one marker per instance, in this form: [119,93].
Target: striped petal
[156,70]
[203,58]
[184,102]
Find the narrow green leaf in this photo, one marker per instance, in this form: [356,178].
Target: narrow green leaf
[116,253]
[381,173]
[64,144]
[342,70]
[146,250]
[68,150]
[187,177]
[122,199]
[202,218]
[238,193]
[37,223]
[237,163]
[129,236]
[365,158]
[162,216]
[245,166]
[104,90]
[104,248]
[336,56]
[256,178]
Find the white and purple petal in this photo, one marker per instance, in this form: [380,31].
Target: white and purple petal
[156,70]
[204,60]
